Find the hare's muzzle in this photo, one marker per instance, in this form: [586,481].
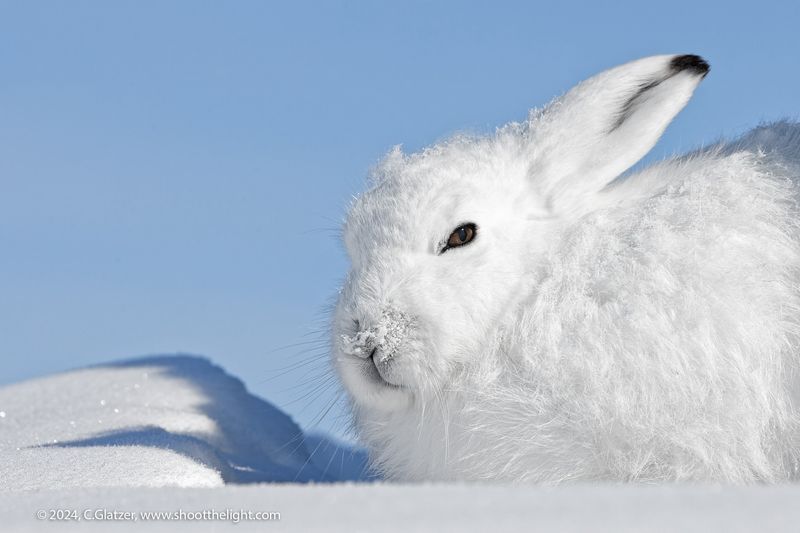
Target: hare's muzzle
[381,343]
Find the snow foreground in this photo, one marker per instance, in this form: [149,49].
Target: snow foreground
[112,443]
[155,421]
[380,507]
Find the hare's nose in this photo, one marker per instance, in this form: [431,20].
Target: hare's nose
[363,344]
[379,338]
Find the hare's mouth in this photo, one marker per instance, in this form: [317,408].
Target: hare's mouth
[371,385]
[379,369]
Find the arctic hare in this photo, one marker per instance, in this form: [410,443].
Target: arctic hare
[516,310]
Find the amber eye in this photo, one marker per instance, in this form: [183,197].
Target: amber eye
[462,235]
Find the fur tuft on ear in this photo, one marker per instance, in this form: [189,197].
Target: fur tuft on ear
[600,128]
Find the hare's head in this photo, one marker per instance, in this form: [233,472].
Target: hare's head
[446,243]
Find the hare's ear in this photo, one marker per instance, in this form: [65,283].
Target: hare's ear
[607,123]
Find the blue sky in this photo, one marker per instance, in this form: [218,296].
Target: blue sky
[172,174]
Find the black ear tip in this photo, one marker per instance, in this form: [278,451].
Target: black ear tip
[692,63]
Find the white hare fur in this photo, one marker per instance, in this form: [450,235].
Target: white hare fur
[600,326]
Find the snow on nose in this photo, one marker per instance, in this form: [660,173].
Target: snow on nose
[362,344]
[382,339]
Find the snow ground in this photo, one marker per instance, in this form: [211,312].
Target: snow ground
[176,433]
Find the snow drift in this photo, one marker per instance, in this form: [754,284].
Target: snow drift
[155,421]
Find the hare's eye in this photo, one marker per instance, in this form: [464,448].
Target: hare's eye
[462,235]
